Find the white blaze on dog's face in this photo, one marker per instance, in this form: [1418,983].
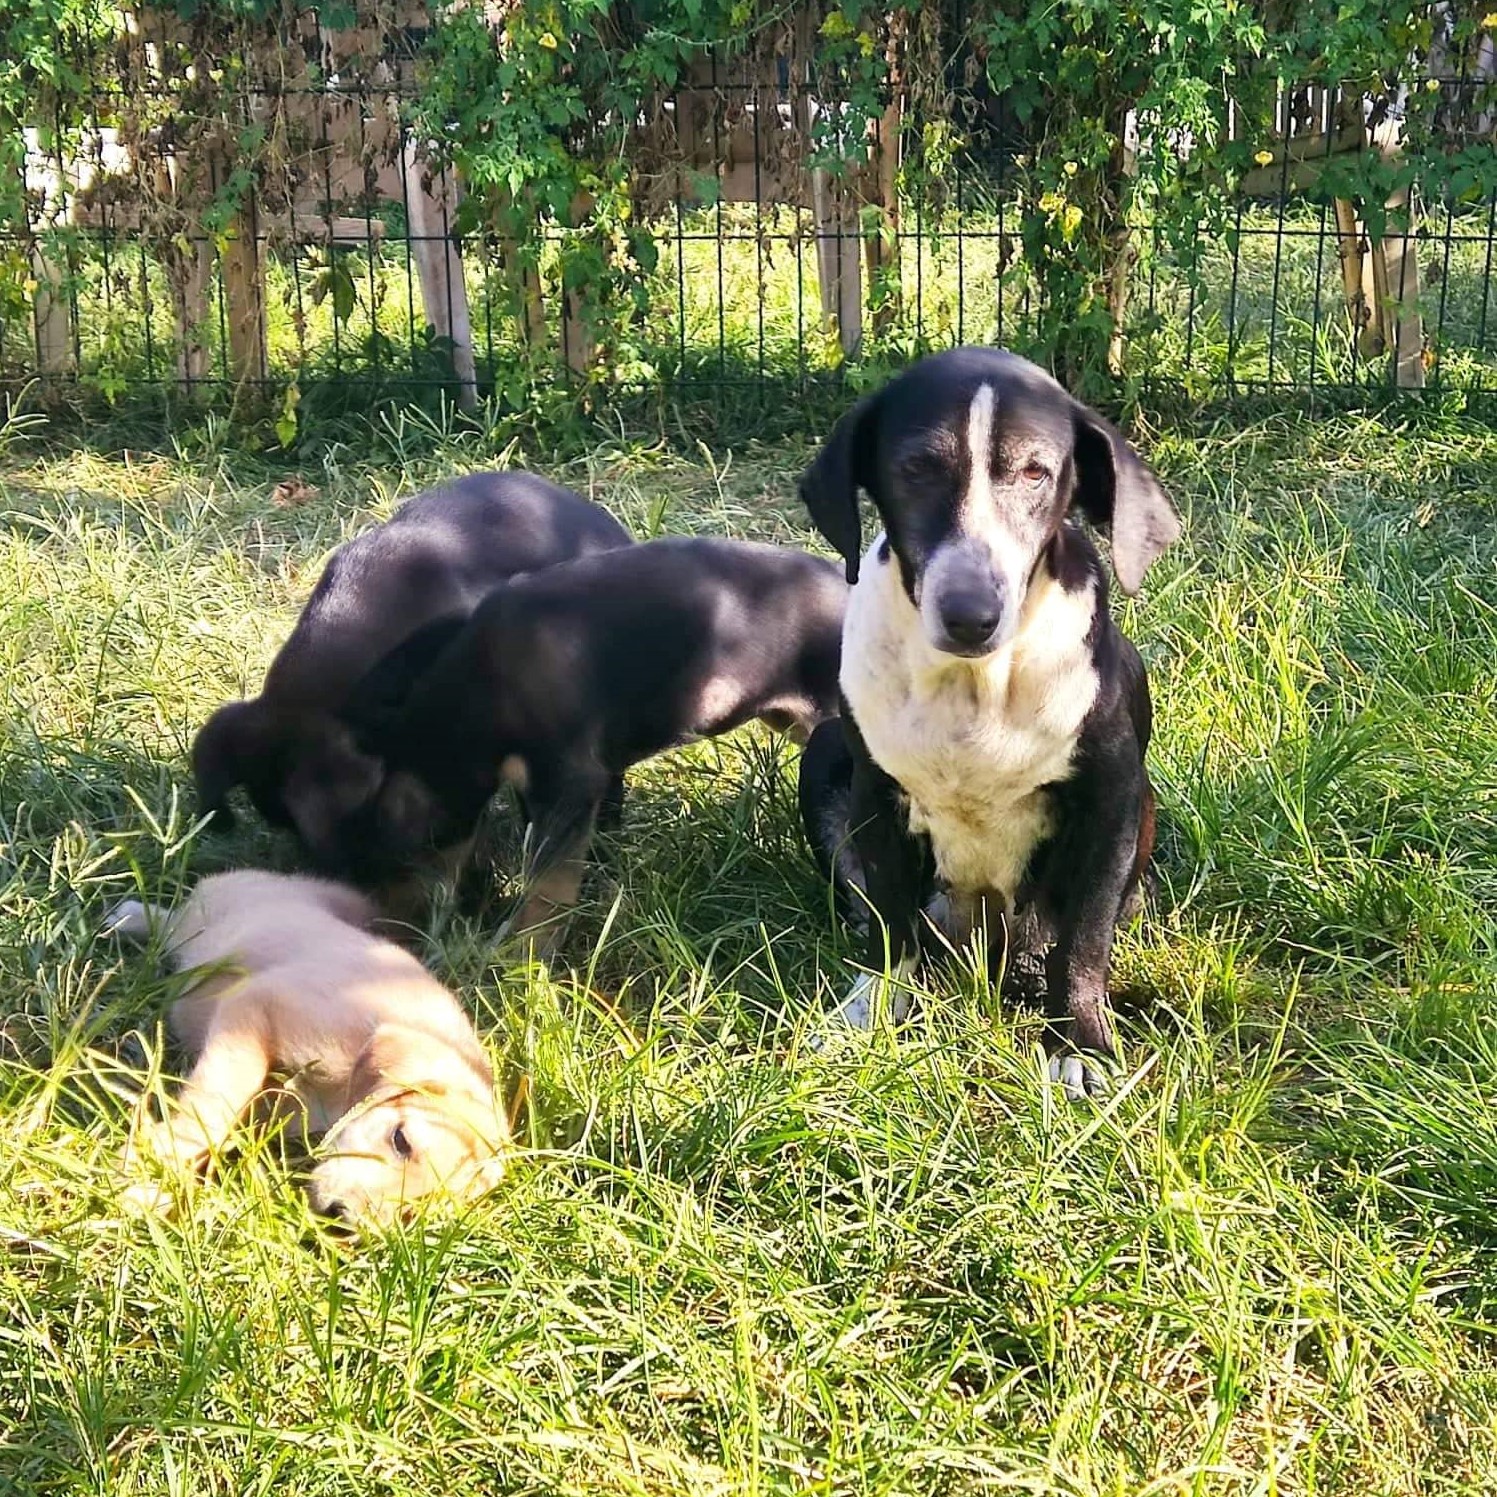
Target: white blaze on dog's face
[974,459]
[979,518]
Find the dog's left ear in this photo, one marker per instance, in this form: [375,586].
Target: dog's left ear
[829,487]
[332,781]
[1118,491]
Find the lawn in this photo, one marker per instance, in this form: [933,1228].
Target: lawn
[728,1263]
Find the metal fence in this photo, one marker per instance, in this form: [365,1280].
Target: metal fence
[361,276]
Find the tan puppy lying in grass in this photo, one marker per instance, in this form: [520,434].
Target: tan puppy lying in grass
[378,1053]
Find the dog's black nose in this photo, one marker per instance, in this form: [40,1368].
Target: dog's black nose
[335,1210]
[969,619]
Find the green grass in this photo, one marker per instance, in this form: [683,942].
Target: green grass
[726,1263]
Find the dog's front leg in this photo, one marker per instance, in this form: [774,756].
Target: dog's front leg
[564,809]
[1092,872]
[896,871]
[230,1073]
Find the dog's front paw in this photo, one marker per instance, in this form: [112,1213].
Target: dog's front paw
[1079,1076]
[129,920]
[872,995]
[146,1198]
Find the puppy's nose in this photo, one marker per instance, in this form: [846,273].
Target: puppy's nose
[970,619]
[336,1210]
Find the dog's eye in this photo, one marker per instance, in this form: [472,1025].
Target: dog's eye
[1034,472]
[400,1143]
[924,468]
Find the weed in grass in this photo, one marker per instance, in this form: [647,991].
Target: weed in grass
[730,1263]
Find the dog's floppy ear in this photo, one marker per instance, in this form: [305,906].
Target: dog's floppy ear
[232,740]
[377,698]
[408,812]
[332,779]
[1118,491]
[829,487]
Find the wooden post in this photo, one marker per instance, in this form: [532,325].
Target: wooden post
[244,295]
[1395,277]
[444,293]
[576,333]
[189,275]
[54,315]
[51,310]
[1350,252]
[522,279]
[1395,298]
[882,247]
[839,264]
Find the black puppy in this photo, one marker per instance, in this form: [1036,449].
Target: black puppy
[991,768]
[433,560]
[563,679]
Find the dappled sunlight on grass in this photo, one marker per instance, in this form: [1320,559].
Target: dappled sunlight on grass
[729,1262]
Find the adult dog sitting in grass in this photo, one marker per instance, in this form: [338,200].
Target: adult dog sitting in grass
[378,1055]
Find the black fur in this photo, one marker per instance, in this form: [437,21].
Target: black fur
[293,747]
[909,447]
[563,679]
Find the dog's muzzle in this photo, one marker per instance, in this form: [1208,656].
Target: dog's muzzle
[963,603]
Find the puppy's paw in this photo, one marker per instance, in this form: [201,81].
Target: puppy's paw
[146,1198]
[129,920]
[1079,1076]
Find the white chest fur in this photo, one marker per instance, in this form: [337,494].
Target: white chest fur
[972,743]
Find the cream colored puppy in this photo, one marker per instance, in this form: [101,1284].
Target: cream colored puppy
[379,1054]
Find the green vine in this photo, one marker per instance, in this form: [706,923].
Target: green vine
[567,122]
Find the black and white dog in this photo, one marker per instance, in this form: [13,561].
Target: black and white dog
[292,747]
[988,769]
[563,679]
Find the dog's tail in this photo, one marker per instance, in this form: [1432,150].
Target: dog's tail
[826,814]
[222,752]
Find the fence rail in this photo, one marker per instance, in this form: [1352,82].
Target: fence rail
[145,257]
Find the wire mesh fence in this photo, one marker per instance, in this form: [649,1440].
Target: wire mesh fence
[313,240]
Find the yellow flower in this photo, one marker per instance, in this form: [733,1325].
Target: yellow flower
[547,40]
[1263,157]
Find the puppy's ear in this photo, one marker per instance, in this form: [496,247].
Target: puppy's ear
[226,747]
[1118,491]
[332,780]
[829,487]
[377,698]
[408,812]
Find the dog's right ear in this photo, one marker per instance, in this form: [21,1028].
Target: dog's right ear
[373,706]
[829,487]
[225,747]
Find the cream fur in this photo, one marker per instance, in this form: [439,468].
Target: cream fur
[294,985]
